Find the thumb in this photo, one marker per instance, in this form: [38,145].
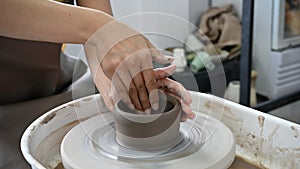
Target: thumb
[108,102]
[162,73]
[157,56]
[104,86]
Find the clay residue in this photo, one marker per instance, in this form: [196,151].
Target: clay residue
[261,121]
[48,118]
[296,132]
[273,134]
[76,104]
[264,153]
[68,114]
[59,166]
[257,147]
[32,128]
[217,105]
[219,110]
[222,109]
[87,99]
[240,163]
[48,149]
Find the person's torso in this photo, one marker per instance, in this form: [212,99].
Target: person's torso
[29,69]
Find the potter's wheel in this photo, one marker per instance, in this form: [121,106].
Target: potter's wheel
[205,143]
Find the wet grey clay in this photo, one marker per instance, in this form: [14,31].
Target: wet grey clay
[156,131]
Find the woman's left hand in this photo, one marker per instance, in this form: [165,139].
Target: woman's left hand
[175,89]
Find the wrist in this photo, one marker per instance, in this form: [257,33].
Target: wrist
[92,23]
[107,35]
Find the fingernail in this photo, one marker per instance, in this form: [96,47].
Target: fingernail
[131,106]
[183,119]
[147,112]
[111,108]
[155,106]
[193,116]
[170,59]
[139,112]
[173,68]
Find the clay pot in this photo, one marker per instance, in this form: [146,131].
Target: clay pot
[156,131]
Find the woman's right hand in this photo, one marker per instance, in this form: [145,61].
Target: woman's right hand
[129,65]
[125,57]
[121,64]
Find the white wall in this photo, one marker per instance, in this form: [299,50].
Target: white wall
[238,5]
[170,25]
[196,8]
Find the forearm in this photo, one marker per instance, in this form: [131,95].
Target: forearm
[101,5]
[45,20]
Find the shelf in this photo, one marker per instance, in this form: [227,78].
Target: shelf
[269,105]
[246,65]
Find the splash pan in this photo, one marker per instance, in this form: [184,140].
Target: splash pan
[92,144]
[261,139]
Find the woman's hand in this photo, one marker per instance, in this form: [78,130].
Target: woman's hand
[175,89]
[129,65]
[125,57]
[121,64]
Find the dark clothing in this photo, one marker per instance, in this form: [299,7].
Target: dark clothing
[29,70]
[35,77]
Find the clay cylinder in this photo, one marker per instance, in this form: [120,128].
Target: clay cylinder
[156,131]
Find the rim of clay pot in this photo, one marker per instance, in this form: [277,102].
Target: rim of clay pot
[164,110]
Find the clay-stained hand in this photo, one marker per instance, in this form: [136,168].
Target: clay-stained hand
[121,64]
[129,65]
[175,89]
[169,86]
